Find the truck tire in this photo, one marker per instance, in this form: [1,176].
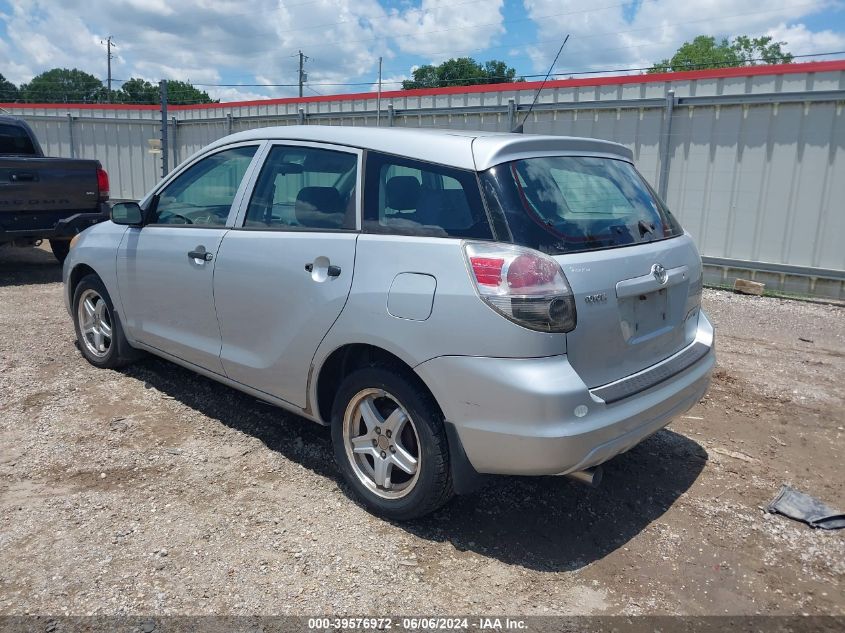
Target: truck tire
[60,249]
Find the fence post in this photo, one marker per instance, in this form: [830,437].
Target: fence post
[511,114]
[229,123]
[175,141]
[390,114]
[70,134]
[666,133]
[164,146]
[302,116]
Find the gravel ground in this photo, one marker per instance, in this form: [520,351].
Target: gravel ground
[154,490]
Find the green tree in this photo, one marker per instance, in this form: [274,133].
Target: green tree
[181,93]
[61,85]
[462,71]
[8,91]
[760,50]
[706,52]
[137,90]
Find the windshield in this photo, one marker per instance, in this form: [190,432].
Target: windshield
[561,204]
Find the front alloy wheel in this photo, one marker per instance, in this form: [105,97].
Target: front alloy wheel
[98,331]
[95,323]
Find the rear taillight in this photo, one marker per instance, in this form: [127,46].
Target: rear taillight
[102,183]
[524,285]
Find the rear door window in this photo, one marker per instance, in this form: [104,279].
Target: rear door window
[408,197]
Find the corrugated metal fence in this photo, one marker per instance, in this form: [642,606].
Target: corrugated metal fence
[751,160]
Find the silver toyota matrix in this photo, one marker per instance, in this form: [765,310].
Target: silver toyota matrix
[451,303]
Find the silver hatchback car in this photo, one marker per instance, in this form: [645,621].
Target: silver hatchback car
[451,303]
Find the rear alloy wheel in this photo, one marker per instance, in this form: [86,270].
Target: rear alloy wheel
[98,329]
[381,444]
[390,444]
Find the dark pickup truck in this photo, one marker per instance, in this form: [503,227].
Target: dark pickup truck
[46,198]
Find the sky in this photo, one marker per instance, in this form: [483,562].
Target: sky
[215,42]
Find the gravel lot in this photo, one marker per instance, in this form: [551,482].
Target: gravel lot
[153,490]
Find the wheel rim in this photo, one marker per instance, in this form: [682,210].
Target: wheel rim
[95,324]
[381,444]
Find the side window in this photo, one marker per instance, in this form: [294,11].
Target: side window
[408,197]
[304,188]
[204,193]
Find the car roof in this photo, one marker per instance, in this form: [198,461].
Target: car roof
[465,149]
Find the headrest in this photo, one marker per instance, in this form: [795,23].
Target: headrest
[403,193]
[319,207]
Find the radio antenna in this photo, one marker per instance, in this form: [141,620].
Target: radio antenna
[519,128]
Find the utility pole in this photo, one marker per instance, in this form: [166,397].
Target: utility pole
[109,43]
[378,99]
[303,76]
[164,145]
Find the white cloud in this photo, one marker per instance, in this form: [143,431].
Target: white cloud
[803,40]
[438,26]
[209,41]
[604,37]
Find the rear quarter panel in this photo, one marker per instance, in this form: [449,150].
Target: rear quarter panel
[459,323]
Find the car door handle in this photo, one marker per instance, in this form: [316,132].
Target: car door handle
[203,255]
[331,271]
[22,176]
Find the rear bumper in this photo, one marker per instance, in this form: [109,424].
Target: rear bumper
[518,416]
[65,227]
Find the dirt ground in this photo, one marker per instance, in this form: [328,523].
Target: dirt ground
[156,491]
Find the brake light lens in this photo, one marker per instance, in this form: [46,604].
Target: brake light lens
[102,183]
[523,285]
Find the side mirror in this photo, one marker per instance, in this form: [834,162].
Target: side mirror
[128,213]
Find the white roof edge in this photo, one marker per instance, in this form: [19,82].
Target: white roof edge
[465,149]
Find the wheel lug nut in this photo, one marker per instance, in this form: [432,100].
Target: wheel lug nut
[383,454]
[392,449]
[378,431]
[375,442]
[389,433]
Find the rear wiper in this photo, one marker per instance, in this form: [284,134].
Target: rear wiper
[645,228]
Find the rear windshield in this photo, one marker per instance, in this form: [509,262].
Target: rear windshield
[15,140]
[562,204]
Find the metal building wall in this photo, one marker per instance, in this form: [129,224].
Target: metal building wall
[752,161]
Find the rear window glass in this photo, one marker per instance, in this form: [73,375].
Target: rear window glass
[15,140]
[407,197]
[570,203]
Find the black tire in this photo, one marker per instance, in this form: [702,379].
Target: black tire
[60,249]
[118,352]
[433,486]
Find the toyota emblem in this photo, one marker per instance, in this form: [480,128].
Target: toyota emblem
[659,273]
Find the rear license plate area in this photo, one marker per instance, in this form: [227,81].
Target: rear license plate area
[644,314]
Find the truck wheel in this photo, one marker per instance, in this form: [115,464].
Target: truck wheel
[60,249]
[390,444]
[98,329]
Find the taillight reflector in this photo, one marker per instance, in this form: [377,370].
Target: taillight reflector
[488,270]
[103,183]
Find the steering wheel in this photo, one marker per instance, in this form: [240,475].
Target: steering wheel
[179,215]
